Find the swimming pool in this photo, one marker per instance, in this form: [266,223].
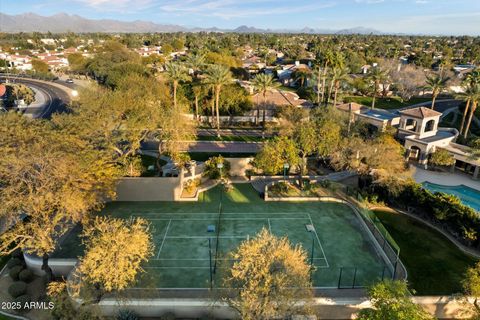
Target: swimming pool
[467,195]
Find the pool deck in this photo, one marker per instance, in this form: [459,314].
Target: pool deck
[443,178]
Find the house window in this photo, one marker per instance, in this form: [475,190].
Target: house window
[411,124]
[430,126]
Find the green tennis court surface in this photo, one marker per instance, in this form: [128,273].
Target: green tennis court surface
[344,254]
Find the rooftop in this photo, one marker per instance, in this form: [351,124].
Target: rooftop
[420,112]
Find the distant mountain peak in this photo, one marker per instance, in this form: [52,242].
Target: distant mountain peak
[64,22]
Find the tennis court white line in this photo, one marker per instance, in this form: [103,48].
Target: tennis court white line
[164,237]
[183,267]
[216,213]
[318,239]
[269,226]
[227,219]
[206,237]
[184,259]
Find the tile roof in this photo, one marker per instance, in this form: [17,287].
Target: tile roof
[421,112]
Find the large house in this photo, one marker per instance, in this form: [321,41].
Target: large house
[419,131]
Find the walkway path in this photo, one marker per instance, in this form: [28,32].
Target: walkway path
[211,146]
[444,178]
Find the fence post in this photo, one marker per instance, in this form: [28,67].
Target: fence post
[354,278]
[340,277]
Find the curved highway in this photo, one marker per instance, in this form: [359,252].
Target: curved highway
[56,99]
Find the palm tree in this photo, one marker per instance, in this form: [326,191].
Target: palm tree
[376,76]
[198,91]
[339,75]
[436,83]
[475,98]
[196,62]
[325,59]
[217,76]
[264,82]
[176,73]
[471,92]
[302,75]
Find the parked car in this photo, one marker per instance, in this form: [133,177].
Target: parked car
[69,81]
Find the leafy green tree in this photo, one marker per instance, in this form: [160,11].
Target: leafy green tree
[263,83]
[270,277]
[391,300]
[275,154]
[213,171]
[234,100]
[436,83]
[53,176]
[442,157]
[218,76]
[124,244]
[471,285]
[39,66]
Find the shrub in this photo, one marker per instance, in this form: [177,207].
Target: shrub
[168,316]
[23,299]
[14,262]
[18,254]
[126,314]
[17,289]
[213,172]
[15,271]
[25,275]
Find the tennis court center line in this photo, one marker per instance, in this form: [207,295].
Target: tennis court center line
[163,240]
[318,239]
[269,225]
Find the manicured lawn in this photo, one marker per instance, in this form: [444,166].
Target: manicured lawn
[435,265]
[386,103]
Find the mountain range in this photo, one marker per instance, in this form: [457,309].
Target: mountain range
[63,22]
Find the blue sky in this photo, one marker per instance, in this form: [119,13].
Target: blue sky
[407,16]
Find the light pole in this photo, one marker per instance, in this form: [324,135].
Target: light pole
[311,230]
[220,167]
[286,166]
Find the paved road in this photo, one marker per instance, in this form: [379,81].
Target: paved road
[211,146]
[56,99]
[440,105]
[232,132]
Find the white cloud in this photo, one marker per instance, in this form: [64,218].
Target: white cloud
[229,9]
[123,6]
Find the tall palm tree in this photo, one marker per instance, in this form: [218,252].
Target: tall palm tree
[436,83]
[176,73]
[475,98]
[262,83]
[217,76]
[325,59]
[302,75]
[471,92]
[196,62]
[376,76]
[339,75]
[198,92]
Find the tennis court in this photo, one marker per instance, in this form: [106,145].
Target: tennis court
[192,240]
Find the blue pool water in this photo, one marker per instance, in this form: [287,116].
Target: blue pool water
[467,195]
